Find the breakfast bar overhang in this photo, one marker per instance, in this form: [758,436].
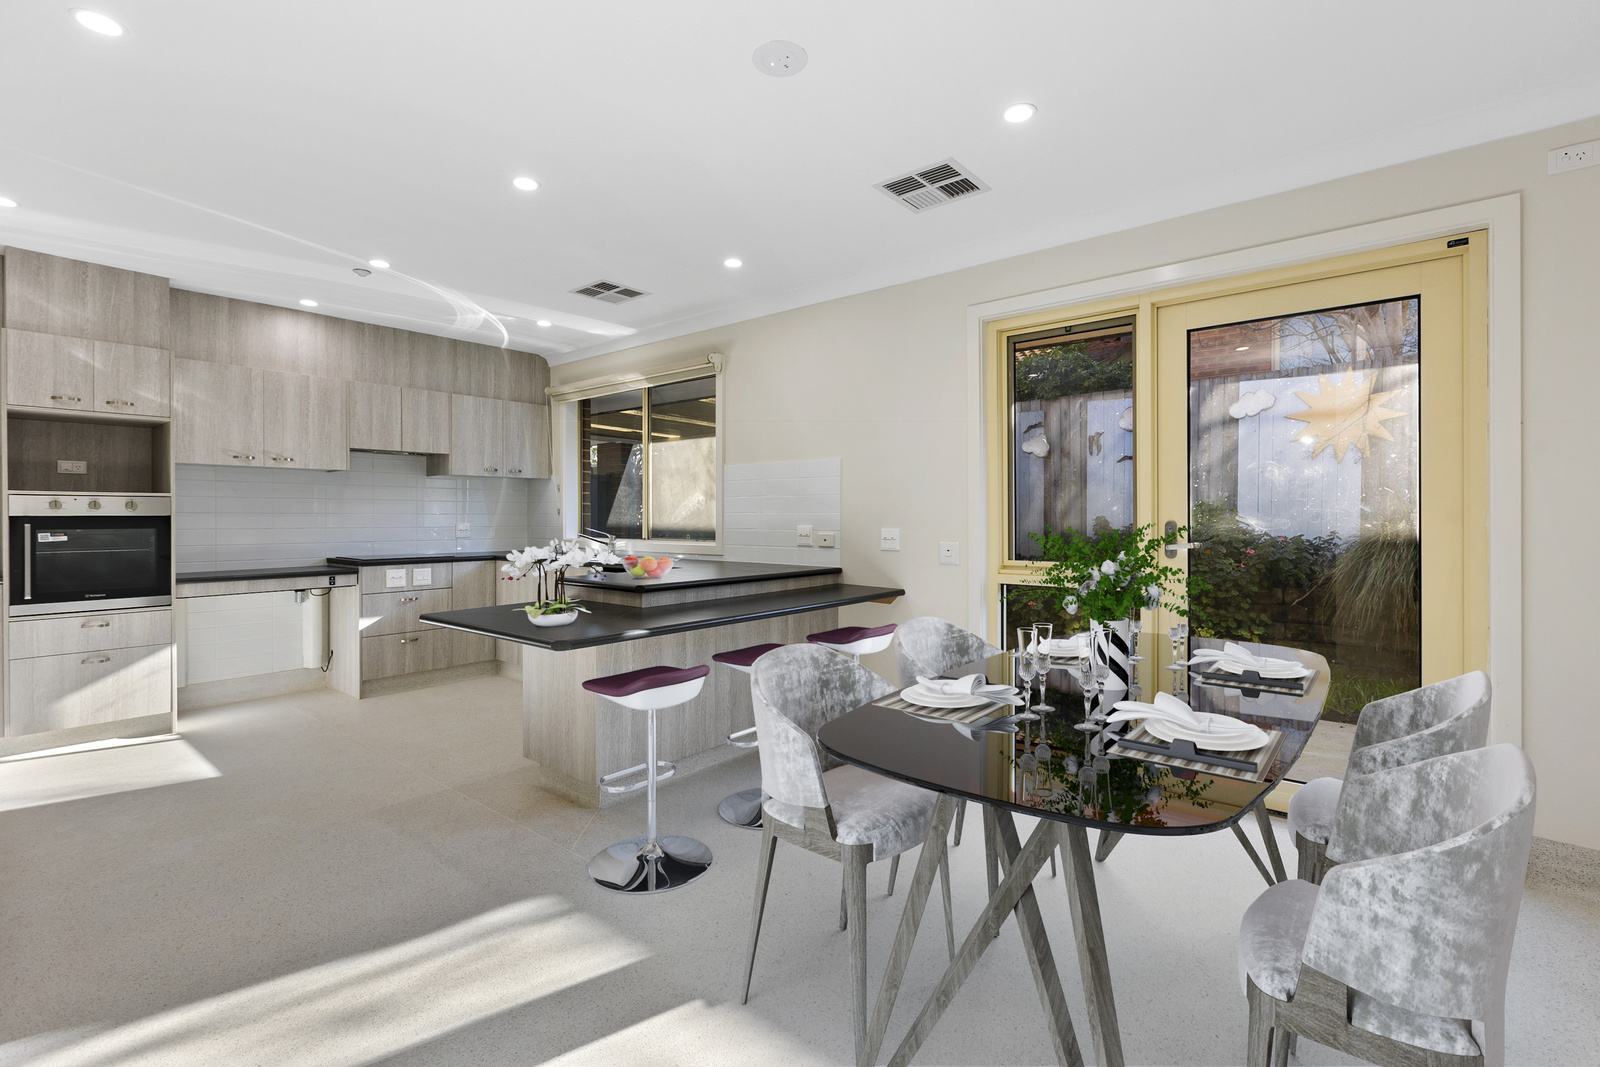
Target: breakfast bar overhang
[699,608]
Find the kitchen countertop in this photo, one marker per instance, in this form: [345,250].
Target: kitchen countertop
[695,572]
[606,624]
[246,574]
[436,557]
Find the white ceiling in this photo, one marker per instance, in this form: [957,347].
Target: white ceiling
[262,150]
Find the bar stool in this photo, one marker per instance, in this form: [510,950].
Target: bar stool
[649,864]
[744,807]
[855,641]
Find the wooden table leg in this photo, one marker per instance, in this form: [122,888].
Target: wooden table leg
[1018,884]
[1270,839]
[1092,962]
[1108,841]
[1250,850]
[928,864]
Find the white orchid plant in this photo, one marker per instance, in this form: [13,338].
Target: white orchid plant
[550,563]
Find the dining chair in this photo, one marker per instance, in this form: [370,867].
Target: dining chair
[929,646]
[1435,720]
[1400,955]
[830,808]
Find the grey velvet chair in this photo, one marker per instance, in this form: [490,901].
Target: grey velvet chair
[826,807]
[1400,956]
[1438,719]
[929,646]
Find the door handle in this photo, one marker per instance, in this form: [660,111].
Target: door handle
[1171,550]
[27,561]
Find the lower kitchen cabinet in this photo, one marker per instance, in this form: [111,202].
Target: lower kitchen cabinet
[85,688]
[392,655]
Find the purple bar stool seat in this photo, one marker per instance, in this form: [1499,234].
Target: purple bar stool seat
[855,641]
[652,863]
[744,807]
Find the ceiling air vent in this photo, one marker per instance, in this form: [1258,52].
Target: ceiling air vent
[933,186]
[610,292]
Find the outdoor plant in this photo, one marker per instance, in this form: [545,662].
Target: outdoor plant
[1235,570]
[550,564]
[1107,575]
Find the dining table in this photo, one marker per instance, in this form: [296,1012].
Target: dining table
[1069,772]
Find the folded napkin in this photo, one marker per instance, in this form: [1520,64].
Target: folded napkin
[969,685]
[1175,711]
[1076,645]
[1236,659]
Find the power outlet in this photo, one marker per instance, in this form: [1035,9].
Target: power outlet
[889,539]
[802,536]
[827,539]
[463,529]
[72,466]
[949,553]
[394,578]
[1574,157]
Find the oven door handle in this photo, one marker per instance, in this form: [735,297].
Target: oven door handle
[27,561]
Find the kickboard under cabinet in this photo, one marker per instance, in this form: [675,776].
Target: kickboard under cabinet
[83,688]
[58,635]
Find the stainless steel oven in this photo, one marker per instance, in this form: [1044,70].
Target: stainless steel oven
[87,553]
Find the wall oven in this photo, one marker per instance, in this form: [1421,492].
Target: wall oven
[89,553]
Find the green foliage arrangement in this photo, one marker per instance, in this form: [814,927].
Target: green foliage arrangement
[1108,575]
[1068,370]
[1235,566]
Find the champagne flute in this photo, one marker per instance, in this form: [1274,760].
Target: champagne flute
[1026,669]
[1041,662]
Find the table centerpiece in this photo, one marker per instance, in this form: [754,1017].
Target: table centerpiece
[550,563]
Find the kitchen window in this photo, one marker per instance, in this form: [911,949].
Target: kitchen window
[648,462]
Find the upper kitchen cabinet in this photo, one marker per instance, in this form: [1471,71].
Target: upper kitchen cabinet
[69,298]
[132,380]
[304,422]
[217,413]
[77,374]
[525,440]
[425,420]
[476,438]
[372,421]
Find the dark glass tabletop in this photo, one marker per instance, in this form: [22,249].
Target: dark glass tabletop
[1053,769]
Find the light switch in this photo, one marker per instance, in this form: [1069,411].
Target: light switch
[949,553]
[802,536]
[889,539]
[394,578]
[827,538]
[422,576]
[463,529]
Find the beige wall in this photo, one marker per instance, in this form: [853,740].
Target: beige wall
[881,380]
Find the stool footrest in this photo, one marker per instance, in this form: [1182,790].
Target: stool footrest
[661,776]
[737,738]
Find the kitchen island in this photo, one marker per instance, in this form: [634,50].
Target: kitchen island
[699,608]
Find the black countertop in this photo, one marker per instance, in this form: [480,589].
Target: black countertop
[245,574]
[434,557]
[606,624]
[693,572]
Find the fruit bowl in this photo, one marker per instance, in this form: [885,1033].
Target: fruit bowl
[647,566]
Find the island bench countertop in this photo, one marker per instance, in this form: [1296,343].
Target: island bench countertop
[605,624]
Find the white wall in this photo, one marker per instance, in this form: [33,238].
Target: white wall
[881,380]
[249,516]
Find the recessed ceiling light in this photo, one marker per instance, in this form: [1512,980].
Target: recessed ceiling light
[309,303]
[542,322]
[527,185]
[1019,112]
[733,262]
[381,264]
[6,201]
[1242,348]
[93,20]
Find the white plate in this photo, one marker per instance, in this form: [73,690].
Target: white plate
[1236,741]
[918,695]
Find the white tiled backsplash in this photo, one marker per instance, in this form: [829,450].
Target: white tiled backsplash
[249,516]
[764,502]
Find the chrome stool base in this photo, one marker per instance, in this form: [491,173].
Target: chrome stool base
[742,808]
[630,867]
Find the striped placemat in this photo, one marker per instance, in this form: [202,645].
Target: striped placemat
[1263,756]
[965,716]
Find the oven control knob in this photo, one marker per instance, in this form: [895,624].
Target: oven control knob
[56,505]
[132,505]
[94,505]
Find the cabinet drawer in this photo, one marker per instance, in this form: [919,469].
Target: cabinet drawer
[57,692]
[91,633]
[408,653]
[375,579]
[397,612]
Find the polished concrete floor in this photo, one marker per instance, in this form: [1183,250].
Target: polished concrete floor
[316,881]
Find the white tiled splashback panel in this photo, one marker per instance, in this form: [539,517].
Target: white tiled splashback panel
[764,502]
[383,505]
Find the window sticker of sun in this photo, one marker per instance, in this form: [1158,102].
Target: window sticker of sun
[1342,415]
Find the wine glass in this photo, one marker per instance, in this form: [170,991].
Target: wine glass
[1041,662]
[1027,668]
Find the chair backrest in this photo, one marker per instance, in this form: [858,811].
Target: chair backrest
[794,690]
[931,646]
[1422,909]
[1445,717]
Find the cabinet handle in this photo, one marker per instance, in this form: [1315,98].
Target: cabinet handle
[97,659]
[63,396]
[121,403]
[408,599]
[238,455]
[93,625]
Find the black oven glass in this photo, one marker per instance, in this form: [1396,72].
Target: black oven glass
[89,559]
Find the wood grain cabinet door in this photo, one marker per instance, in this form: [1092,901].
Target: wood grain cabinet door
[425,421]
[57,692]
[328,447]
[129,380]
[217,413]
[475,436]
[373,416]
[45,371]
[517,429]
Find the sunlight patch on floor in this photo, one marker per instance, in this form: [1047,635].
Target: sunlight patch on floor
[365,1007]
[691,1035]
[99,768]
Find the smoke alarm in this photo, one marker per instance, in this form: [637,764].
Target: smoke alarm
[780,59]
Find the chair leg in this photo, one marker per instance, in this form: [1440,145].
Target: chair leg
[944,889]
[769,846]
[961,817]
[1052,863]
[856,858]
[844,896]
[1281,1039]
[894,869]
[1258,1046]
